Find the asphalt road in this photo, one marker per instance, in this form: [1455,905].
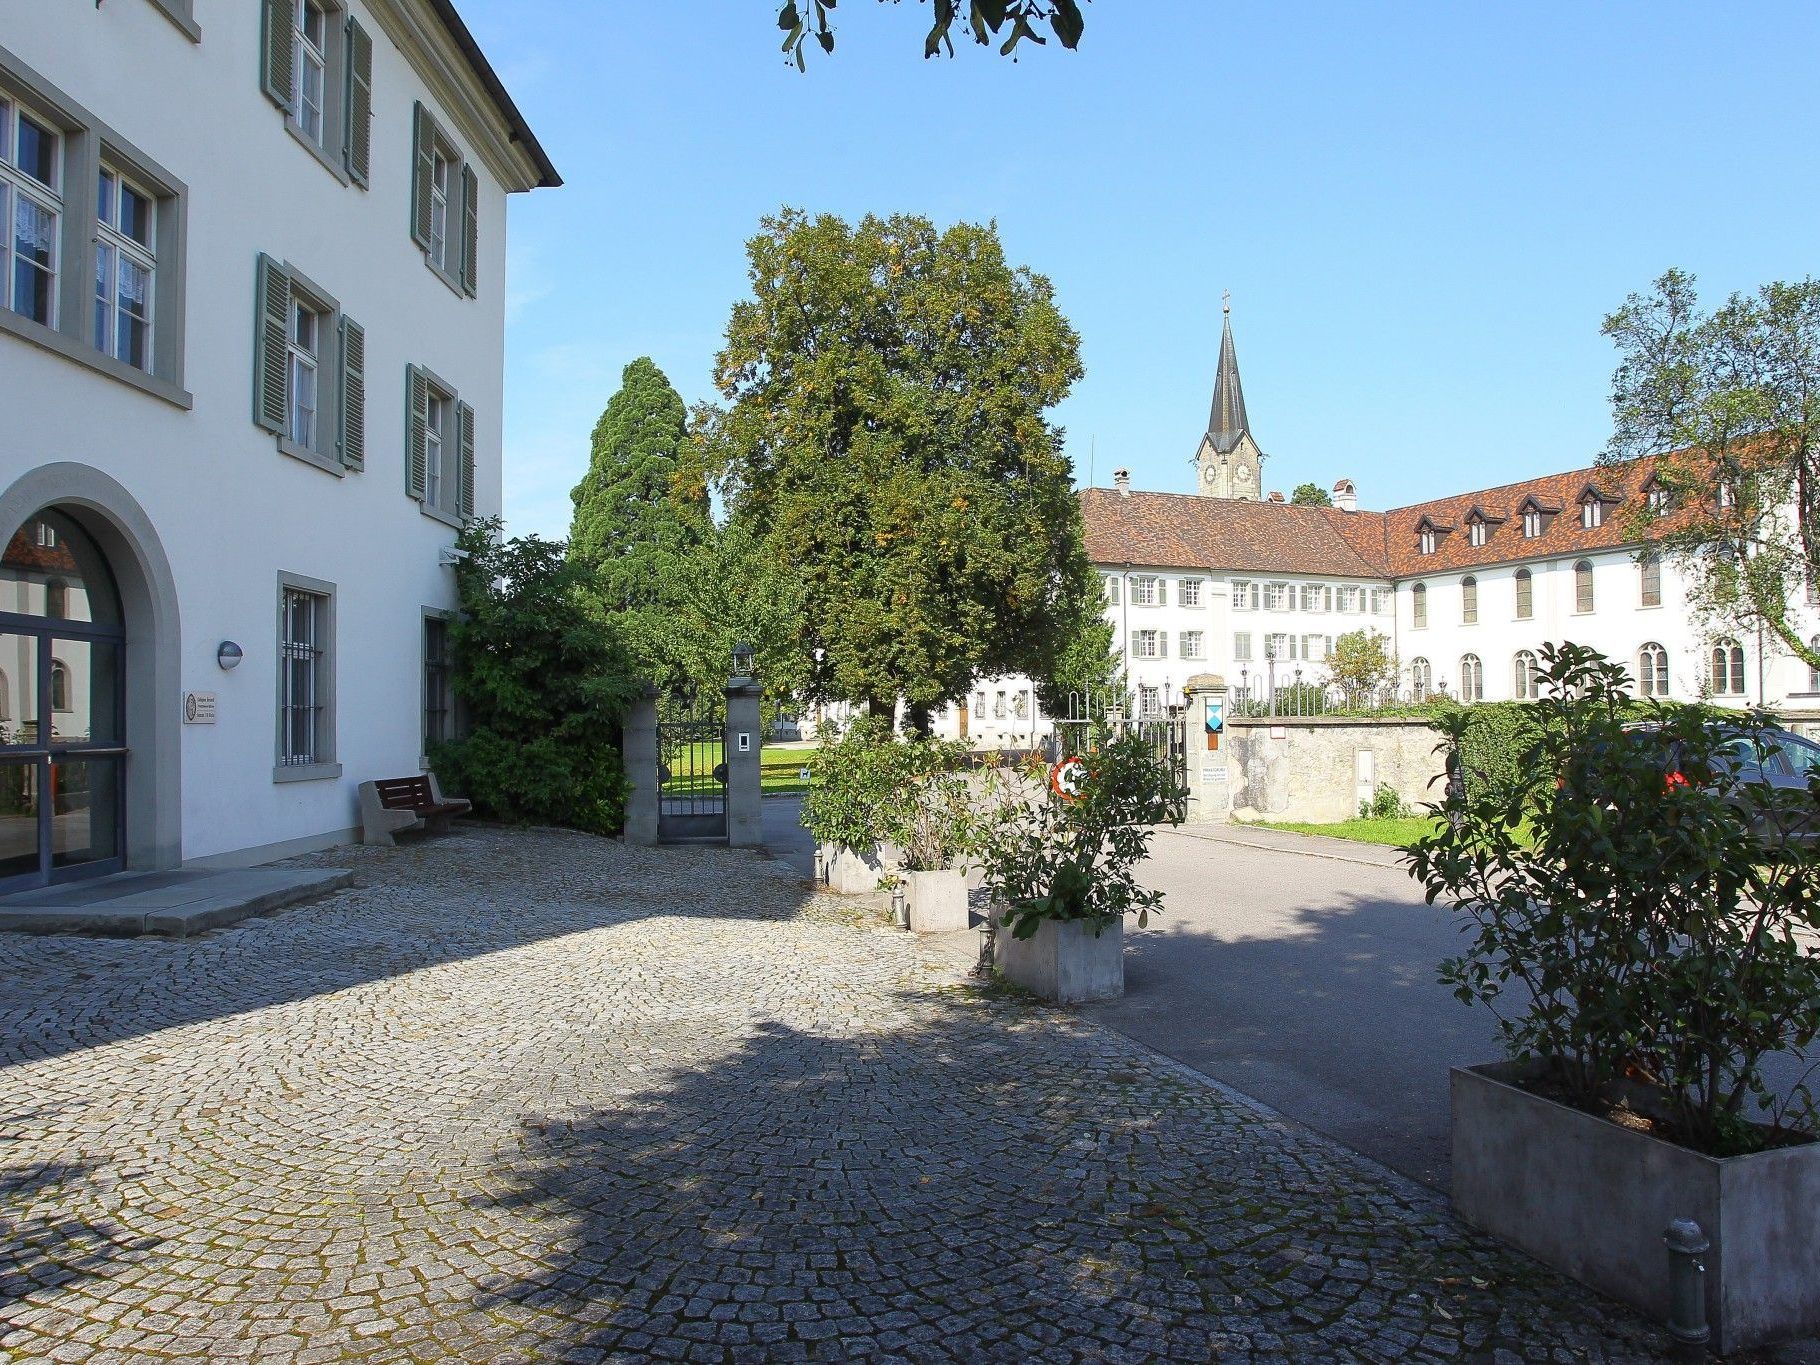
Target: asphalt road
[1301,971]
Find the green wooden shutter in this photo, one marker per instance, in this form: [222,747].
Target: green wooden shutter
[470,229]
[464,418]
[353,394]
[275,47]
[271,335]
[423,170]
[357,139]
[417,431]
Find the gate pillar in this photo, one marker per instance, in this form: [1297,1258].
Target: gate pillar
[745,800]
[1209,773]
[638,746]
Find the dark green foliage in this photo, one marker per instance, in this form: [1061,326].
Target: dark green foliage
[544,681]
[855,785]
[1311,495]
[886,440]
[1632,914]
[985,21]
[638,525]
[1086,669]
[1385,804]
[1051,857]
[1726,402]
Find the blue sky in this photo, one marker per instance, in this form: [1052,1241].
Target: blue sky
[1422,211]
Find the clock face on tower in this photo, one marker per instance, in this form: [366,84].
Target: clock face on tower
[1209,474]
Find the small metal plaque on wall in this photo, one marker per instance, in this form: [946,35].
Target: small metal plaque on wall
[198,708]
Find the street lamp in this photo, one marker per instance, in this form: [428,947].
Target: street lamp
[742,660]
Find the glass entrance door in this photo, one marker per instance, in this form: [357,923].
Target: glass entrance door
[62,751]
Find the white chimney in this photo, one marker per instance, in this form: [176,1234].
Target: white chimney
[1121,480]
[1345,497]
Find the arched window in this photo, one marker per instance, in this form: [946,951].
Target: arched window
[1418,604]
[60,685]
[1583,596]
[1421,679]
[1652,671]
[1525,684]
[1469,600]
[1472,678]
[1725,669]
[1526,595]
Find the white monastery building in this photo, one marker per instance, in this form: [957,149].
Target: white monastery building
[251,352]
[1231,581]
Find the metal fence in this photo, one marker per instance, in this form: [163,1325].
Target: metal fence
[1164,727]
[1273,692]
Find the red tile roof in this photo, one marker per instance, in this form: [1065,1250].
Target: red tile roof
[1186,530]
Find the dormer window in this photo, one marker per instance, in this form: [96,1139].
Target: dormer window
[1725,497]
[1476,533]
[1592,514]
[1425,543]
[1532,524]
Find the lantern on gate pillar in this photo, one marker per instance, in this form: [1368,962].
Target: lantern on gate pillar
[742,660]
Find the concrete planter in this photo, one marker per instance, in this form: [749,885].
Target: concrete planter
[848,872]
[1593,1199]
[1064,962]
[937,900]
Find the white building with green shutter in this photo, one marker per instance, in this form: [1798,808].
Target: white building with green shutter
[251,359]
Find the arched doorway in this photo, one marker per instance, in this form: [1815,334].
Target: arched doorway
[63,752]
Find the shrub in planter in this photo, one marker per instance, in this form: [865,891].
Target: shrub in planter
[938,825]
[1061,866]
[855,786]
[1643,950]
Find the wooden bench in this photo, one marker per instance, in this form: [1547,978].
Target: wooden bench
[394,805]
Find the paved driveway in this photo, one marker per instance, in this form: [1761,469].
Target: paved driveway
[534,1096]
[1301,971]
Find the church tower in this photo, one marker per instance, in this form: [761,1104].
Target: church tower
[1228,463]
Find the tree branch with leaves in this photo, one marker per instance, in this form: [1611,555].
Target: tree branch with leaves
[1728,404]
[1008,23]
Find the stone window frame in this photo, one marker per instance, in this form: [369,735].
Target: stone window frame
[330,152]
[87,142]
[1196,650]
[326,765]
[181,13]
[448,616]
[324,454]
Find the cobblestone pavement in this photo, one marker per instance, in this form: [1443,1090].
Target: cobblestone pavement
[536,1096]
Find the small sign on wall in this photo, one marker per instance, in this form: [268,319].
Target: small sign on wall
[745,741]
[198,708]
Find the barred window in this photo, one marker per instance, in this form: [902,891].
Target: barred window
[438,699]
[303,651]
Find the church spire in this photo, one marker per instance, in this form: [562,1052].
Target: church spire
[1226,422]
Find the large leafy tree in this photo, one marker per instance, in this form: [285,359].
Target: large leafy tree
[885,436]
[1729,403]
[1005,22]
[639,524]
[1311,495]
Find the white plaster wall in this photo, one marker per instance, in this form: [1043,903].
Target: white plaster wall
[231,511]
[1618,626]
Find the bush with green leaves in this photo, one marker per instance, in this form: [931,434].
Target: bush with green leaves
[543,681]
[1657,925]
[855,784]
[1049,856]
[1386,803]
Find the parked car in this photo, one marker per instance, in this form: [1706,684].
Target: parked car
[1762,774]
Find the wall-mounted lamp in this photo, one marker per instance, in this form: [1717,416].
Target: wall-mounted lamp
[228,655]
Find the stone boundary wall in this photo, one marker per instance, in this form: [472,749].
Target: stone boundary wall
[1317,769]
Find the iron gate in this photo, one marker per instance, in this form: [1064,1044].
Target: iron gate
[1165,729]
[692,774]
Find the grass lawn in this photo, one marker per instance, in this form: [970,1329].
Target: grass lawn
[1395,833]
[778,769]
